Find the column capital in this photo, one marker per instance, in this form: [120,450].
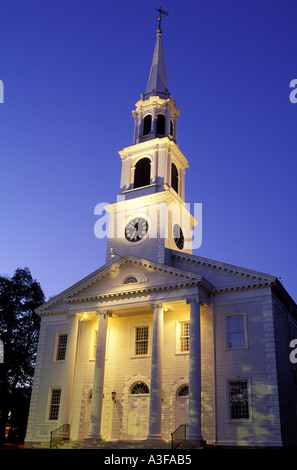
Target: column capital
[100,313]
[195,299]
[154,305]
[71,315]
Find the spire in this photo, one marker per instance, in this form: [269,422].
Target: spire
[157,82]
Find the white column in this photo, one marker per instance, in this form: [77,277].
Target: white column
[98,381]
[140,125]
[154,121]
[135,126]
[195,373]
[167,121]
[68,371]
[156,375]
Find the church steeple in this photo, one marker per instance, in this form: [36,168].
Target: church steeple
[150,217]
[156,115]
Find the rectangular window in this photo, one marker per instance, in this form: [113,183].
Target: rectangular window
[236,331]
[184,336]
[141,340]
[61,348]
[239,399]
[55,404]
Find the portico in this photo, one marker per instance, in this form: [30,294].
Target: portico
[156,317]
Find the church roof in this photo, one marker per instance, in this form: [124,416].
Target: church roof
[157,82]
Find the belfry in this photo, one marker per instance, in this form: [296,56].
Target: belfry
[160,347]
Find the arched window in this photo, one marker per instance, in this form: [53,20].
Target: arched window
[183,391]
[171,127]
[147,124]
[142,173]
[161,124]
[139,388]
[174,177]
[130,280]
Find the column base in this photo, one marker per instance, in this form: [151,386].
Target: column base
[154,437]
[93,439]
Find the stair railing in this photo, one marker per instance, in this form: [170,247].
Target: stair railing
[179,435]
[60,434]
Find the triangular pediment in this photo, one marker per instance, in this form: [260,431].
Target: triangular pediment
[130,275]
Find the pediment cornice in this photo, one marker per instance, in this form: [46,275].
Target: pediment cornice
[254,276]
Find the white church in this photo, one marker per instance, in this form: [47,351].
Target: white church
[159,339]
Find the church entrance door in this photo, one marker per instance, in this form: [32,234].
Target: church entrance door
[138,412]
[182,405]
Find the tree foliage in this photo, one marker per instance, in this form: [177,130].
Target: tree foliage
[20,295]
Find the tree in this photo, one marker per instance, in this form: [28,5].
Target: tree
[20,295]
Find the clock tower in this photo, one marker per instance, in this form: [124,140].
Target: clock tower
[150,217]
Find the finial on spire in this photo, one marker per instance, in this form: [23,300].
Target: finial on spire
[161,12]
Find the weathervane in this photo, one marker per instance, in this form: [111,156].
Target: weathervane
[161,12]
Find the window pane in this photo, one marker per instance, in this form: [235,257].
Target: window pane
[141,342]
[142,333]
[55,404]
[183,391]
[61,351]
[184,336]
[185,329]
[235,326]
[140,388]
[130,280]
[239,404]
[141,348]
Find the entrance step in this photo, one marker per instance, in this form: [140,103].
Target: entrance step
[98,444]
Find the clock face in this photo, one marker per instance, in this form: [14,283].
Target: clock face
[136,229]
[178,236]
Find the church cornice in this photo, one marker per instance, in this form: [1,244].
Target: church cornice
[155,101]
[240,287]
[155,144]
[251,274]
[167,195]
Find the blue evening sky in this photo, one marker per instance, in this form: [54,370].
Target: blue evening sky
[73,71]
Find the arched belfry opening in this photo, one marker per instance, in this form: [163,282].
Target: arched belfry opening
[142,173]
[161,124]
[174,177]
[147,124]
